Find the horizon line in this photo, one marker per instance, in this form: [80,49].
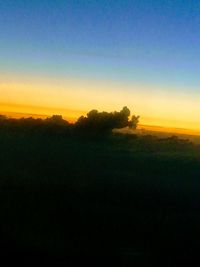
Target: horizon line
[157,128]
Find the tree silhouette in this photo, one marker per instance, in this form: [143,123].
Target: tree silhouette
[101,122]
[56,120]
[133,122]
[93,123]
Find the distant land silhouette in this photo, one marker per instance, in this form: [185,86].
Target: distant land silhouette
[148,127]
[95,123]
[84,191]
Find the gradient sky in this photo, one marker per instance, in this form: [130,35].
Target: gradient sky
[70,56]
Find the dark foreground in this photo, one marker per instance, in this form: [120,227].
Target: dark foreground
[108,201]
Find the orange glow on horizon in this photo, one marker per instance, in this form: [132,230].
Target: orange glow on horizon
[73,115]
[20,111]
[72,98]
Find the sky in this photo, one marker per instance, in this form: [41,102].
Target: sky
[70,56]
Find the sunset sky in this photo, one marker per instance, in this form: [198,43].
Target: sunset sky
[70,56]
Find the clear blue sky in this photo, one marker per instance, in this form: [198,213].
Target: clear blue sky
[155,42]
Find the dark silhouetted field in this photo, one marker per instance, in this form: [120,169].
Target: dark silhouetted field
[113,200]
